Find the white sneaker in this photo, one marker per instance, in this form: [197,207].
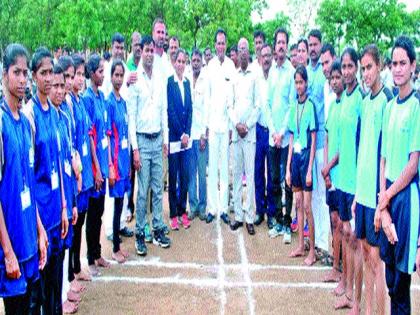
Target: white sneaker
[287,236]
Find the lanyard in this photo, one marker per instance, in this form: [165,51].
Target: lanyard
[299,117]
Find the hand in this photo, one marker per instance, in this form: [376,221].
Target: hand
[328,183]
[76,162]
[75,216]
[309,178]
[288,179]
[165,150]
[64,223]
[79,183]
[389,227]
[12,266]
[377,220]
[42,246]
[132,78]
[353,208]
[136,160]
[184,141]
[383,200]
[325,172]
[203,143]
[277,140]
[111,179]
[98,179]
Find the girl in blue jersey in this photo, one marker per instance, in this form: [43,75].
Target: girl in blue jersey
[102,166]
[398,204]
[82,145]
[120,154]
[302,125]
[49,188]
[20,225]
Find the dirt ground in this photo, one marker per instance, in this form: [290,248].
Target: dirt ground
[211,270]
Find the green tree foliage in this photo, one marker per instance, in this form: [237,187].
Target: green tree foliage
[361,22]
[269,27]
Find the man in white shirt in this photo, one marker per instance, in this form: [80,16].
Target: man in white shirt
[208,55]
[200,151]
[161,61]
[148,131]
[327,58]
[259,41]
[173,48]
[221,72]
[244,115]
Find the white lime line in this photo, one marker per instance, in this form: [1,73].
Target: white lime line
[221,275]
[246,273]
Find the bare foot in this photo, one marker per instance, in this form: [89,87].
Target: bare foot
[73,296]
[119,257]
[340,289]
[310,260]
[77,287]
[101,262]
[125,253]
[298,252]
[69,307]
[343,302]
[333,276]
[83,276]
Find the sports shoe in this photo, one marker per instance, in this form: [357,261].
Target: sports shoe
[271,222]
[185,221]
[174,224]
[306,230]
[192,215]
[141,248]
[277,230]
[165,229]
[287,237]
[160,239]
[294,225]
[147,233]
[225,218]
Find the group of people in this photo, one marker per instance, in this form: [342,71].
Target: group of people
[300,129]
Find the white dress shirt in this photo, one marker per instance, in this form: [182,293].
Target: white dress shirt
[181,87]
[262,95]
[329,97]
[200,92]
[220,77]
[147,106]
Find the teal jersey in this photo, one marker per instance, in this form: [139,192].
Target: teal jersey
[368,161]
[332,127]
[348,142]
[302,121]
[401,133]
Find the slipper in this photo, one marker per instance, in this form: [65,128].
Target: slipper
[101,262]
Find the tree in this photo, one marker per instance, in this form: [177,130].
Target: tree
[269,27]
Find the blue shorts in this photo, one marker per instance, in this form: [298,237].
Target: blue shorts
[405,214]
[83,201]
[365,229]
[344,206]
[120,188]
[299,169]
[29,270]
[333,199]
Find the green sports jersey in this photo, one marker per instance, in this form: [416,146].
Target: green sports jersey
[401,133]
[348,142]
[302,121]
[368,160]
[332,127]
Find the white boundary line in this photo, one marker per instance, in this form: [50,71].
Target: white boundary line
[221,275]
[246,273]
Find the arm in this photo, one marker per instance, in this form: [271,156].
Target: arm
[289,161]
[255,113]
[98,175]
[64,218]
[164,117]
[42,242]
[10,260]
[311,159]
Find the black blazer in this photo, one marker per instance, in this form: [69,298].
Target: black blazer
[179,114]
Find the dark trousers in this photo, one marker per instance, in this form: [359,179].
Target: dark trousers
[264,202]
[74,253]
[93,228]
[51,283]
[278,163]
[25,303]
[131,201]
[178,168]
[398,289]
[118,207]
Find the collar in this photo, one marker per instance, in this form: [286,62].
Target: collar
[316,66]
[247,70]
[177,80]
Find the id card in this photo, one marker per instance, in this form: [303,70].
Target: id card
[124,144]
[25,198]
[67,168]
[104,143]
[54,180]
[105,116]
[297,147]
[31,157]
[84,149]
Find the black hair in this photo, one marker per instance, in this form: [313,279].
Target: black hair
[115,64]
[58,69]
[294,46]
[180,51]
[57,48]
[107,55]
[315,33]
[67,50]
[405,43]
[281,30]
[373,51]
[352,53]
[146,40]
[387,61]
[219,31]
[259,33]
[117,37]
[328,47]
[66,62]
[207,48]
[265,45]
[234,48]
[37,57]
[11,54]
[303,40]
[303,73]
[175,38]
[336,66]
[78,60]
[197,52]
[92,65]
